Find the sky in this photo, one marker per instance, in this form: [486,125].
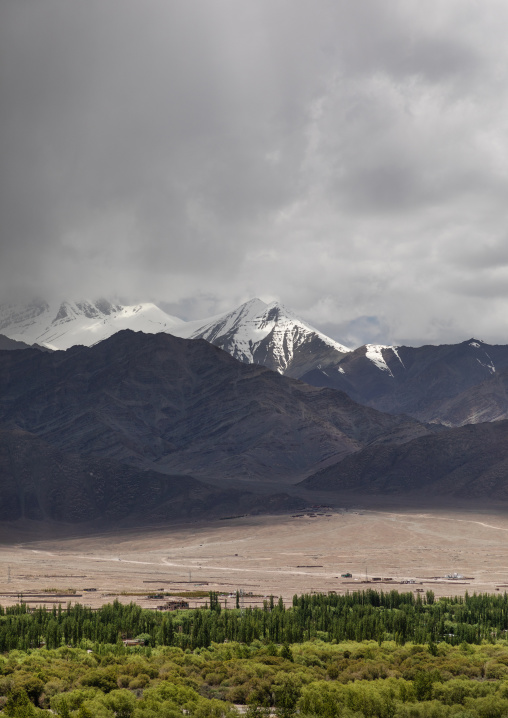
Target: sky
[349,159]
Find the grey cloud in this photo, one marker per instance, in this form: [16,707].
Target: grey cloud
[404,39]
[346,158]
[359,331]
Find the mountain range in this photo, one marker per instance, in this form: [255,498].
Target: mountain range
[185,406]
[448,384]
[254,333]
[178,423]
[150,425]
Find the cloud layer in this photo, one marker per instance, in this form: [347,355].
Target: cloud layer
[348,159]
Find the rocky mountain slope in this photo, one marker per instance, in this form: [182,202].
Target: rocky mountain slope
[40,483]
[184,406]
[465,462]
[419,381]
[487,401]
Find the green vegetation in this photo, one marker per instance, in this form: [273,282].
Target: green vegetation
[365,615]
[366,654]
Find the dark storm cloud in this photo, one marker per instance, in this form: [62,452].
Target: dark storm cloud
[346,158]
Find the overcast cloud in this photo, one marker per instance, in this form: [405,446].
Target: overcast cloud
[349,159]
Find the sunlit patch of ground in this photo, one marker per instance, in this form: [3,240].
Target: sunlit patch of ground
[279,555]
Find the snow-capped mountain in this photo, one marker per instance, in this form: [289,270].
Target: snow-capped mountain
[449,384]
[60,325]
[430,383]
[268,334]
[255,333]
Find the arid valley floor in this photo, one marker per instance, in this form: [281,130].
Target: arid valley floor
[264,555]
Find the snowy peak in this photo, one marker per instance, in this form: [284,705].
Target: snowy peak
[241,323]
[68,311]
[254,333]
[60,325]
[380,355]
[268,334]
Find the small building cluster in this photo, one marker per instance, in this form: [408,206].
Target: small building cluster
[173,606]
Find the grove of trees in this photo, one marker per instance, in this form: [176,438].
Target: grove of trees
[366,654]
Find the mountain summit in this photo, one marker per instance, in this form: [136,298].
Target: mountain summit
[267,334]
[61,325]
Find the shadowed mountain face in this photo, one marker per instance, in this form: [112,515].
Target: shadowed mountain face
[41,483]
[11,344]
[421,382]
[487,401]
[184,406]
[466,462]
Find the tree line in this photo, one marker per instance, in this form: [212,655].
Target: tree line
[356,616]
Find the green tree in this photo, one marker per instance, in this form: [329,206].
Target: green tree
[422,685]
[19,705]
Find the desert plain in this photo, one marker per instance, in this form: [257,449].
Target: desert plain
[406,549]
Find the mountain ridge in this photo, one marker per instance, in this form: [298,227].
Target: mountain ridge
[418,381]
[254,332]
[184,406]
[449,384]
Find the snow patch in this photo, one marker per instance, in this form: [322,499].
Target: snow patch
[394,350]
[490,367]
[374,352]
[489,364]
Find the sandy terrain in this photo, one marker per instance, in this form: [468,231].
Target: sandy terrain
[279,555]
